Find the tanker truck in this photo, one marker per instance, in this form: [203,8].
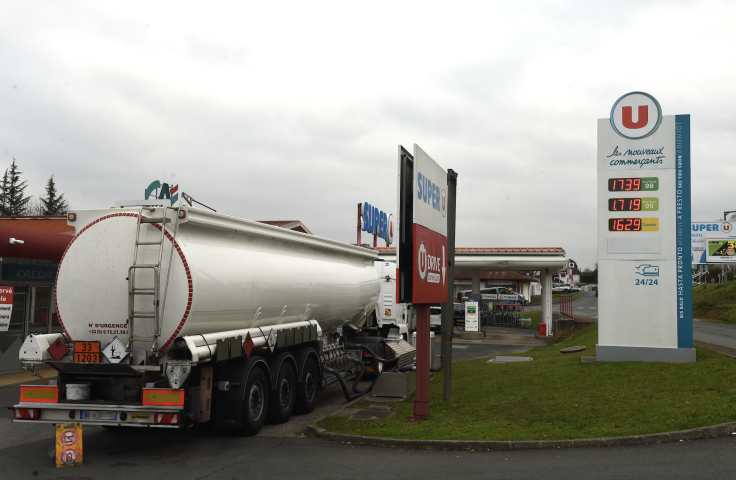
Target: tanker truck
[179,316]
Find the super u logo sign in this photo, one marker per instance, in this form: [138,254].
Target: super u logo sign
[636,115]
[431,194]
[378,223]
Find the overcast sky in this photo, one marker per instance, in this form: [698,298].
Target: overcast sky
[294,110]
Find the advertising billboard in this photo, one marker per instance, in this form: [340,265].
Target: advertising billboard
[721,250]
[421,253]
[429,230]
[702,231]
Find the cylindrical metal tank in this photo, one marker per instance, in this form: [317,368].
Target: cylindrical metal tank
[226,274]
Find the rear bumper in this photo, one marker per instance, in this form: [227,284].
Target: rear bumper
[104,415]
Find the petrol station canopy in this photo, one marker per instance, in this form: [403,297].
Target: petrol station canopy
[491,258]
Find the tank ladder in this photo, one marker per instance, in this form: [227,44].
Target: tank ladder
[152,290]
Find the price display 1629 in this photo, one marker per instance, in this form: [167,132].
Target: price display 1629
[633,224]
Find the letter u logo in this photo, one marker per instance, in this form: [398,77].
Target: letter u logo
[641,122]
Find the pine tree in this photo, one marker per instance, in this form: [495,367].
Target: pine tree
[13,189]
[4,194]
[53,204]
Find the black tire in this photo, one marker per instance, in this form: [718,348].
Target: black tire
[255,403]
[282,400]
[308,388]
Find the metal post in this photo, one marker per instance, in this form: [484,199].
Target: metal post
[447,320]
[476,282]
[358,224]
[421,401]
[546,298]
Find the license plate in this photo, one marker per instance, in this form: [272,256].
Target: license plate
[87,352]
[139,416]
[97,415]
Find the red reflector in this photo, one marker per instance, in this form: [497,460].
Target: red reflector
[71,217]
[166,418]
[45,394]
[182,214]
[27,413]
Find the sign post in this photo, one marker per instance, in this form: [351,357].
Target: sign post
[68,444]
[422,251]
[645,308]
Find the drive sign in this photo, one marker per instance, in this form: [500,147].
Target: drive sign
[429,230]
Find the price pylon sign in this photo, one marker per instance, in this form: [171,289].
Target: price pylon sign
[68,444]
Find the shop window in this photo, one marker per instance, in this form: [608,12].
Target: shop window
[39,321]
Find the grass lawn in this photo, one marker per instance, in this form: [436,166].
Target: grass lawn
[556,397]
[715,302]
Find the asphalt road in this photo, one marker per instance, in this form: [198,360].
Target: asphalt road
[280,451]
[717,334]
[585,305]
[168,454]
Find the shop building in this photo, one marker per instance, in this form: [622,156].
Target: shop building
[30,269]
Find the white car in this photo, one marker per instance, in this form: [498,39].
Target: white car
[435,319]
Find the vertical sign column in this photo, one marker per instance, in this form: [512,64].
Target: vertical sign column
[645,294]
[422,251]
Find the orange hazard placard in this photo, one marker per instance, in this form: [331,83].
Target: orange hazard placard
[69,445]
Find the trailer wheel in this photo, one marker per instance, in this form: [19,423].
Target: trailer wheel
[308,388]
[284,397]
[255,403]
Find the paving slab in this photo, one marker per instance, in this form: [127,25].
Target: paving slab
[503,359]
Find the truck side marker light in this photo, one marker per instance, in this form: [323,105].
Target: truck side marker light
[45,394]
[163,397]
[26,413]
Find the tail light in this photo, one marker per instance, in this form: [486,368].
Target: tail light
[166,418]
[163,397]
[43,394]
[27,413]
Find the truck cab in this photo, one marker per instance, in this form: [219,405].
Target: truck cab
[394,320]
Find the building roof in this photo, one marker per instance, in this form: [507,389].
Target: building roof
[295,225]
[48,224]
[493,275]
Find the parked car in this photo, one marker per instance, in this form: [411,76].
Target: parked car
[435,319]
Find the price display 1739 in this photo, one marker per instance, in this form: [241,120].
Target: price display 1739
[633,184]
